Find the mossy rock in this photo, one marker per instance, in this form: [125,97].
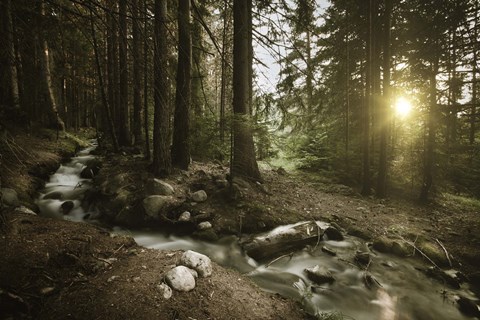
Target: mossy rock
[391,246]
[207,235]
[433,252]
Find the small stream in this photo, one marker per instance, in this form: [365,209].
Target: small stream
[405,292]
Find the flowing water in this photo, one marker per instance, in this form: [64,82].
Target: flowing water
[404,292]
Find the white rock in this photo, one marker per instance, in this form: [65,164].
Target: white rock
[199,196]
[197,261]
[9,197]
[153,205]
[185,216]
[165,291]
[160,187]
[204,225]
[180,278]
[25,210]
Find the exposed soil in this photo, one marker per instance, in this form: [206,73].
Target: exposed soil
[53,269]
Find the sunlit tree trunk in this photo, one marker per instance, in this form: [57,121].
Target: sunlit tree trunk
[181,125]
[244,163]
[161,143]
[431,132]
[366,178]
[384,108]
[473,108]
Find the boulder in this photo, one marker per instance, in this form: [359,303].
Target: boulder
[159,187]
[180,278]
[362,258]
[185,217]
[391,246]
[319,274]
[155,205]
[129,217]
[55,195]
[199,196]
[206,235]
[9,197]
[468,307]
[204,225]
[283,239]
[434,252]
[67,206]
[197,261]
[113,184]
[165,291]
[333,234]
[91,170]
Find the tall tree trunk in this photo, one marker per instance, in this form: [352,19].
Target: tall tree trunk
[124,125]
[161,143]
[431,132]
[366,179]
[12,65]
[244,163]
[145,81]
[384,110]
[223,86]
[55,119]
[181,125]
[473,108]
[106,108]
[347,92]
[137,82]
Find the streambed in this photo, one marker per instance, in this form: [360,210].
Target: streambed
[405,292]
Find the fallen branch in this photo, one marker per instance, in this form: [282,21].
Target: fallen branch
[282,256]
[446,252]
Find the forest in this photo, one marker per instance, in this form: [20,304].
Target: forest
[321,150]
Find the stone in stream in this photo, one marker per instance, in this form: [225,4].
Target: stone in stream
[319,274]
[55,195]
[283,239]
[180,278]
[333,234]
[159,187]
[468,307]
[197,261]
[66,207]
[9,197]
[199,196]
[362,258]
[91,170]
[329,251]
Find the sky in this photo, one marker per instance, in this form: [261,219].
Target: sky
[268,74]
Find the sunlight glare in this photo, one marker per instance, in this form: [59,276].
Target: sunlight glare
[403,107]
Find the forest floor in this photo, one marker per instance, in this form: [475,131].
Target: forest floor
[59,269]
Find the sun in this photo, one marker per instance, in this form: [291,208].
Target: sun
[403,107]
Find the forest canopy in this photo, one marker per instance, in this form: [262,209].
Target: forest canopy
[378,94]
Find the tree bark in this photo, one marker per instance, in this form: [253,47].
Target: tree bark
[431,132]
[384,110]
[55,119]
[12,65]
[366,179]
[137,82]
[107,110]
[244,163]
[161,143]
[145,81]
[181,125]
[124,125]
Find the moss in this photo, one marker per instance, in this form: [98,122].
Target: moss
[433,252]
